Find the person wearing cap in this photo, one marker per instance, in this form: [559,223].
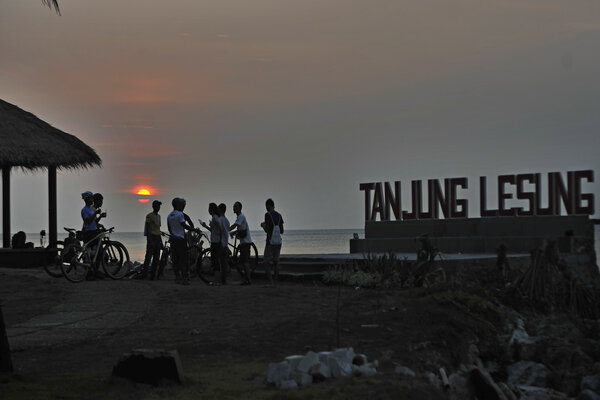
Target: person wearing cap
[88,215]
[153,242]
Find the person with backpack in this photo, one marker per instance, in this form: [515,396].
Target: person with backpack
[273,226]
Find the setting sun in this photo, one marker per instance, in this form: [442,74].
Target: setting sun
[144,191]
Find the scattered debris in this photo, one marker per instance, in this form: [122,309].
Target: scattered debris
[405,371]
[444,377]
[317,367]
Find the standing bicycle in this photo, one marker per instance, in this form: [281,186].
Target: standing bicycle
[80,261]
[205,267]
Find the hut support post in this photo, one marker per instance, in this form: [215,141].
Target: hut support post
[52,223]
[6,207]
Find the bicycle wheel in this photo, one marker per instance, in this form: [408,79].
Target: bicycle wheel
[194,253]
[253,258]
[204,267]
[204,264]
[72,263]
[164,261]
[53,267]
[115,259]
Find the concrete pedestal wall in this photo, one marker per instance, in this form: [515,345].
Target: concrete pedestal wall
[475,235]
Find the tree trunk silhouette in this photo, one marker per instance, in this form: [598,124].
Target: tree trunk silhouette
[5,361]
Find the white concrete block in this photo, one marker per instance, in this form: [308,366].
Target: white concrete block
[287,384]
[294,361]
[346,353]
[310,359]
[363,370]
[405,371]
[302,378]
[278,372]
[272,372]
[339,367]
[320,371]
[324,357]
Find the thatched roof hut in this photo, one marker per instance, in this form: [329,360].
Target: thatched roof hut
[30,143]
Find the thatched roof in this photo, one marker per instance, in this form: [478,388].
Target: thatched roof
[28,142]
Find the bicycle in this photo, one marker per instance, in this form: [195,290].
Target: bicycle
[53,268]
[204,262]
[138,271]
[194,250]
[165,255]
[76,260]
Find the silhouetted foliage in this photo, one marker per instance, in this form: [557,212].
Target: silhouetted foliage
[52,4]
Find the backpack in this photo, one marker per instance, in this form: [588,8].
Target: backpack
[276,235]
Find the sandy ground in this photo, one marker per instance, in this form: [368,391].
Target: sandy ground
[57,328]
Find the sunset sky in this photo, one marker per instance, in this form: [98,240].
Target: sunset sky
[299,101]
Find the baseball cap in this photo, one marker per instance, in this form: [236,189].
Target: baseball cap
[87,193]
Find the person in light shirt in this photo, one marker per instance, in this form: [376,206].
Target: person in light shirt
[177,226]
[241,230]
[215,227]
[224,243]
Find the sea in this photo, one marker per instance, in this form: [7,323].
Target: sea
[300,241]
[317,241]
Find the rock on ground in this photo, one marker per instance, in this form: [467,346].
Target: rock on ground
[149,366]
[540,393]
[528,373]
[588,394]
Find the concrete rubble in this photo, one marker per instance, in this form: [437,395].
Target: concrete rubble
[552,364]
[301,371]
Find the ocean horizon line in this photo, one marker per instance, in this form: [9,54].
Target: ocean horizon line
[356,230]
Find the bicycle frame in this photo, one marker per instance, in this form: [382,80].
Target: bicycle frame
[101,237]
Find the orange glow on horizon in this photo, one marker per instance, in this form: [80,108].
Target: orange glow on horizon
[143,200]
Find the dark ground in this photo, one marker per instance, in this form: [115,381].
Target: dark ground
[62,333]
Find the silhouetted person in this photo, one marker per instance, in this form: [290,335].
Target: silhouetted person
[215,227]
[241,230]
[153,241]
[90,227]
[273,226]
[177,227]
[97,207]
[225,252]
[19,241]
